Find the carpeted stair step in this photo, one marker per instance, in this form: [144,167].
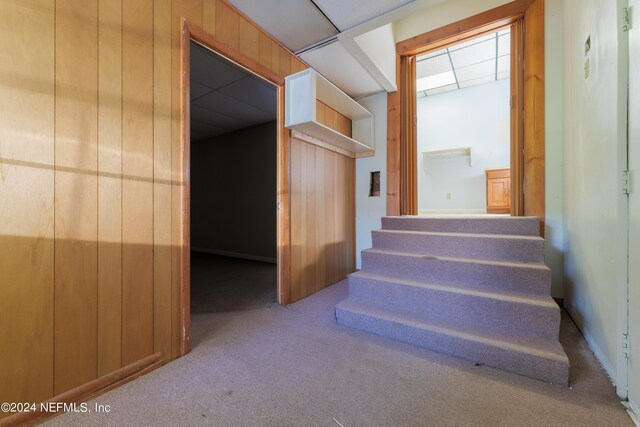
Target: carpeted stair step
[485,224]
[463,245]
[474,274]
[536,316]
[533,357]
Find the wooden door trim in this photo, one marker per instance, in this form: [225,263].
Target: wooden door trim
[528,15]
[192,32]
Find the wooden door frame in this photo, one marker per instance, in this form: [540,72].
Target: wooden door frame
[527,106]
[192,32]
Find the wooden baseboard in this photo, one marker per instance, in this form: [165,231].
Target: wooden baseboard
[87,391]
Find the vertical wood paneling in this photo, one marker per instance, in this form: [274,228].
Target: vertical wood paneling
[322,209]
[91,152]
[296,219]
[227,25]
[191,10]
[208,16]
[249,40]
[264,48]
[26,200]
[109,186]
[534,178]
[162,176]
[137,185]
[76,204]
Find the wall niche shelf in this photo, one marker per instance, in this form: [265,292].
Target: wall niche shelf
[448,154]
[301,92]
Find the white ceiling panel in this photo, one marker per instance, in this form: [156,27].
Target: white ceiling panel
[474,62]
[473,54]
[482,69]
[347,14]
[197,90]
[294,23]
[432,66]
[335,63]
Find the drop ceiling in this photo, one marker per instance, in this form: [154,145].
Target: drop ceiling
[299,24]
[474,62]
[224,97]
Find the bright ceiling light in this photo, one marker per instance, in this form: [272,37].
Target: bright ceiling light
[437,80]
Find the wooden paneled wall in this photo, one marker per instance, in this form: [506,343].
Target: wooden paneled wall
[90,180]
[332,119]
[322,218]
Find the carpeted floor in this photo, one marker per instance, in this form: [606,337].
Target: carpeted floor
[221,283]
[294,366]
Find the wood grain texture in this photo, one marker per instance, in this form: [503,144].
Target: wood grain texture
[332,119]
[393,154]
[322,209]
[208,16]
[162,177]
[26,201]
[227,25]
[483,22]
[249,40]
[137,188]
[109,187]
[76,204]
[534,174]
[517,117]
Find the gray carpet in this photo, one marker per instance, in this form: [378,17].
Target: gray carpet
[294,366]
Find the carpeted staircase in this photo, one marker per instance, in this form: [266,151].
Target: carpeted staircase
[472,287]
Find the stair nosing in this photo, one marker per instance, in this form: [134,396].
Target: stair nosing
[450,330]
[513,264]
[524,299]
[466,235]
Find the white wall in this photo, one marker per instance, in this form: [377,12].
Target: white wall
[594,156]
[476,117]
[233,193]
[369,210]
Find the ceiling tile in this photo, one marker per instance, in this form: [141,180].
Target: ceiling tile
[347,14]
[294,23]
[196,90]
[504,75]
[210,70]
[335,63]
[475,71]
[253,92]
[504,45]
[473,41]
[201,131]
[473,54]
[431,66]
[220,103]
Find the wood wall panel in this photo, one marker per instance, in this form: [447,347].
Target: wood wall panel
[92,155]
[162,177]
[322,212]
[137,185]
[26,200]
[332,119]
[76,228]
[534,153]
[109,186]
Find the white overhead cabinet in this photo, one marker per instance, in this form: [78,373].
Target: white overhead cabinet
[303,89]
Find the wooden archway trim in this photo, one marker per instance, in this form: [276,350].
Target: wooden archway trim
[527,105]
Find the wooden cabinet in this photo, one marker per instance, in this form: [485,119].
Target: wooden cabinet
[498,191]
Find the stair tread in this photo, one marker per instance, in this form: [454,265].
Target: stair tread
[503,296]
[457,234]
[541,347]
[516,264]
